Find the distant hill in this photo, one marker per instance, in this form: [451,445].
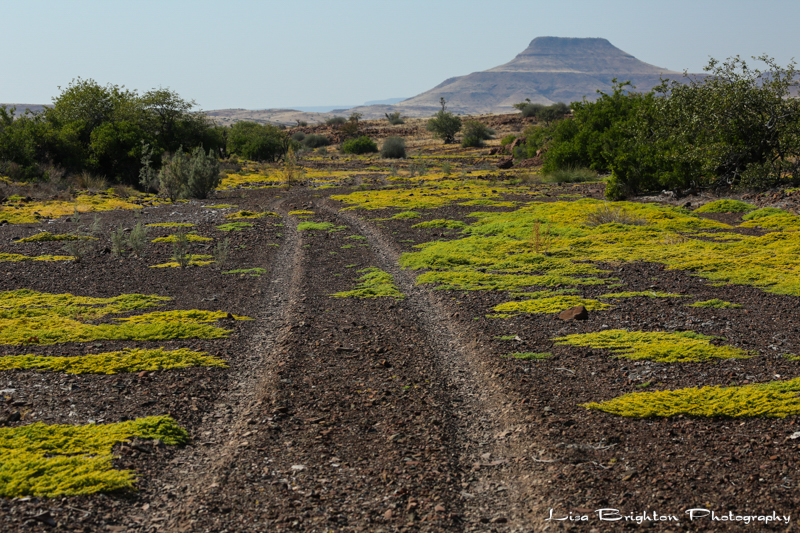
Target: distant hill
[35,108]
[551,69]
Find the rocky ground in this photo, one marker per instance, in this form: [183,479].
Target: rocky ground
[385,414]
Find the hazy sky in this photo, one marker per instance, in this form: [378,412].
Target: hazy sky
[261,54]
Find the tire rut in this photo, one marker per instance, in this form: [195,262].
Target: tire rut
[203,467]
[490,426]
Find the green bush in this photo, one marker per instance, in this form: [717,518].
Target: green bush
[298,136]
[360,145]
[315,141]
[192,175]
[393,148]
[204,174]
[258,142]
[102,130]
[475,133]
[394,118]
[444,125]
[174,174]
[508,139]
[335,121]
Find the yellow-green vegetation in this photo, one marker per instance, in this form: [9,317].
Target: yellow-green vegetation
[62,460]
[431,195]
[479,281]
[26,303]
[764,212]
[505,244]
[405,215]
[679,347]
[170,225]
[648,294]
[221,206]
[189,237]
[301,212]
[726,206]
[306,226]
[441,223]
[29,317]
[488,202]
[374,283]
[183,315]
[776,399]
[19,257]
[530,356]
[194,260]
[254,272]
[132,360]
[251,214]
[552,304]
[46,236]
[772,221]
[716,304]
[234,226]
[31,212]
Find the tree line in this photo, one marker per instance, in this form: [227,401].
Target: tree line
[735,127]
[110,131]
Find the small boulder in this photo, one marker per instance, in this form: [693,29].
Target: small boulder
[506,163]
[578,312]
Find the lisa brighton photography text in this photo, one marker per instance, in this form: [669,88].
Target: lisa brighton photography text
[689,515]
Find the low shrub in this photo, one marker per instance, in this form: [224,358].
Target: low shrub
[569,175]
[298,136]
[726,206]
[394,118]
[606,214]
[393,148]
[316,141]
[360,145]
[335,121]
[475,133]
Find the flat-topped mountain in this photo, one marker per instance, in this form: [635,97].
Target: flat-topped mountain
[551,69]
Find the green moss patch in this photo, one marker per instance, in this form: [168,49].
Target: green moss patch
[254,272]
[716,304]
[221,206]
[234,226]
[530,356]
[18,257]
[726,206]
[441,223]
[506,243]
[251,214]
[29,317]
[648,294]
[194,260]
[403,215]
[764,212]
[63,460]
[553,304]
[306,226]
[776,399]
[46,237]
[302,212]
[374,283]
[680,347]
[134,360]
[174,238]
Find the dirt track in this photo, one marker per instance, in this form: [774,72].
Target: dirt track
[339,414]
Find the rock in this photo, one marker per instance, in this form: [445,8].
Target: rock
[516,142]
[505,163]
[497,150]
[578,312]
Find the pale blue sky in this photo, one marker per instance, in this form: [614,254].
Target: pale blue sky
[260,54]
